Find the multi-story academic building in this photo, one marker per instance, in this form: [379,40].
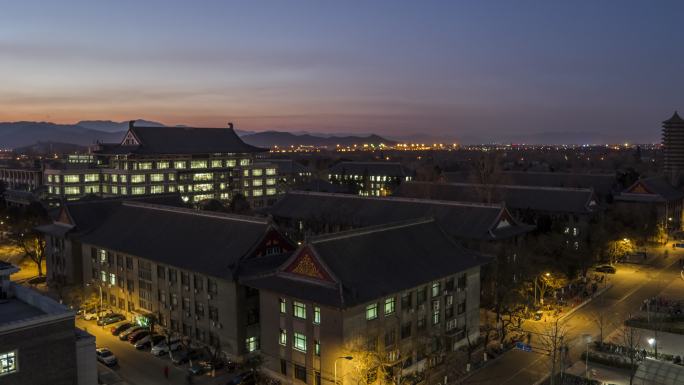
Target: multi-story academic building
[198,163]
[370,178]
[396,297]
[174,267]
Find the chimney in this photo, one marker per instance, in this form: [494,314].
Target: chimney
[230,125]
[131,124]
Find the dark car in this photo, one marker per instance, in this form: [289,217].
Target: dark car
[245,378]
[110,319]
[150,340]
[123,336]
[606,269]
[196,369]
[118,329]
[137,336]
[183,356]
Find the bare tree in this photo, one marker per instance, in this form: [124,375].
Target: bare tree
[601,321]
[551,340]
[631,340]
[33,246]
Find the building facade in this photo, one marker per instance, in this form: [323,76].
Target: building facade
[370,178]
[38,341]
[198,163]
[337,296]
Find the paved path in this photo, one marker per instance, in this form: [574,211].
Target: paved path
[631,286]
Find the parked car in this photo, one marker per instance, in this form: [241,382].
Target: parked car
[120,327]
[538,315]
[137,336]
[148,341]
[123,336]
[182,356]
[163,348]
[606,269]
[196,369]
[106,356]
[110,319]
[245,378]
[94,314]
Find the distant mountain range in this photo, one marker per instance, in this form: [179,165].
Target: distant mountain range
[34,136]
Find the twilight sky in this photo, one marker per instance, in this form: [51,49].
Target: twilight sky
[486,69]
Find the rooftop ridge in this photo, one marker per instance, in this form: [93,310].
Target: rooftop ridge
[202,213]
[558,173]
[401,199]
[520,187]
[367,162]
[369,230]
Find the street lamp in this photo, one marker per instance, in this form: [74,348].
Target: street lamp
[654,345]
[541,300]
[349,358]
[587,339]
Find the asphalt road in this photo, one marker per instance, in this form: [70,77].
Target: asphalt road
[632,284]
[139,367]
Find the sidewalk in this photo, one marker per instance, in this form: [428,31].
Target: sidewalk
[606,374]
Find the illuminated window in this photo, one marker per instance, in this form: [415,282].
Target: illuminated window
[124,190]
[138,178]
[244,162]
[171,177]
[71,190]
[49,178]
[299,342]
[317,348]
[157,177]
[230,163]
[57,178]
[372,311]
[435,312]
[202,176]
[203,187]
[162,165]
[91,189]
[245,172]
[270,191]
[112,279]
[299,310]
[283,337]
[8,363]
[252,344]
[179,164]
[56,190]
[257,182]
[172,188]
[71,179]
[103,276]
[115,178]
[123,178]
[435,289]
[216,163]
[91,177]
[270,181]
[389,305]
[283,305]
[115,189]
[156,189]
[201,197]
[245,183]
[257,172]
[270,171]
[198,164]
[257,193]
[317,315]
[140,190]
[145,166]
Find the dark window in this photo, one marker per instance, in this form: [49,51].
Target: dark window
[406,330]
[172,276]
[462,282]
[372,343]
[421,296]
[199,282]
[283,366]
[390,337]
[251,292]
[407,301]
[119,260]
[186,303]
[213,313]
[185,279]
[211,286]
[252,316]
[161,272]
[93,254]
[94,272]
[449,284]
[300,372]
[317,378]
[199,309]
[130,285]
[420,325]
[129,263]
[120,281]
[461,307]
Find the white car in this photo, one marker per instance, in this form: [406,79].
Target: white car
[92,315]
[106,356]
[162,348]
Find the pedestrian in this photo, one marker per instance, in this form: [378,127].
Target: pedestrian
[166,372]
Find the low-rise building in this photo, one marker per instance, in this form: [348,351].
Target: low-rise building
[39,343]
[370,178]
[657,198]
[397,297]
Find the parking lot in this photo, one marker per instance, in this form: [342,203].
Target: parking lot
[140,367]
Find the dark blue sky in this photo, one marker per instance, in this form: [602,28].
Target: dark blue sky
[491,70]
